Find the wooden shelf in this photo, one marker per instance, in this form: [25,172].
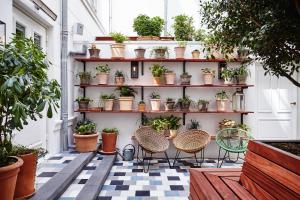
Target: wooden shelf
[169,86]
[87,59]
[133,38]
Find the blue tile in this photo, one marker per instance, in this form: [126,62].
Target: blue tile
[116,182]
[55,158]
[137,178]
[171,193]
[82,181]
[173,178]
[47,174]
[104,198]
[176,187]
[119,173]
[122,187]
[143,193]
[108,187]
[155,182]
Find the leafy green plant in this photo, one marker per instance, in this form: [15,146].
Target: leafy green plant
[154,95]
[203,102]
[160,51]
[241,71]
[182,43]
[142,102]
[146,26]
[159,124]
[18,150]
[84,75]
[173,122]
[103,68]
[199,35]
[222,95]
[169,99]
[194,124]
[118,37]
[227,73]
[81,99]
[157,70]
[119,73]
[126,91]
[110,131]
[185,74]
[107,96]
[244,127]
[25,90]
[183,28]
[85,127]
[184,103]
[208,71]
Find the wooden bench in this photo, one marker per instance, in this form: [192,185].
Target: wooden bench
[268,173]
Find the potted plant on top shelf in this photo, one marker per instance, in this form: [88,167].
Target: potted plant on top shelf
[155,101]
[184,103]
[119,77]
[148,28]
[126,98]
[185,78]
[170,77]
[203,105]
[103,74]
[85,136]
[160,52]
[140,52]
[109,140]
[183,28]
[208,76]
[83,102]
[227,74]
[169,104]
[25,92]
[157,71]
[180,49]
[221,101]
[241,74]
[94,51]
[118,49]
[108,100]
[85,78]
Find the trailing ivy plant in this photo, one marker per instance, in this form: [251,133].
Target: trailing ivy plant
[147,26]
[183,28]
[25,90]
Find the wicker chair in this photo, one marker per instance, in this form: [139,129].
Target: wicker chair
[232,140]
[150,142]
[192,142]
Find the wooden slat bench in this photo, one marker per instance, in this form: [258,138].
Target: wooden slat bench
[268,173]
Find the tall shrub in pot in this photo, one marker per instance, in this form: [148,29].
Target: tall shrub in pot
[118,49]
[85,136]
[126,98]
[183,28]
[25,92]
[103,74]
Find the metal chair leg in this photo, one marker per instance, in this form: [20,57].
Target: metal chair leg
[176,157]
[223,158]
[219,157]
[201,158]
[148,166]
[167,159]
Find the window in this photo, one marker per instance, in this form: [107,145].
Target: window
[37,40]
[20,30]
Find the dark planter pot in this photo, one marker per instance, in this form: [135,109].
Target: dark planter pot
[85,81]
[83,105]
[169,105]
[140,53]
[160,53]
[184,107]
[185,79]
[241,80]
[109,141]
[94,53]
[203,107]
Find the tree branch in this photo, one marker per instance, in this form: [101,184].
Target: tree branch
[283,73]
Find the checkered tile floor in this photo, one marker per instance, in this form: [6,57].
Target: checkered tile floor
[127,181]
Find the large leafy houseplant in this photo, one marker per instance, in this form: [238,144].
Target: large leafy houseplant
[25,90]
[183,28]
[147,26]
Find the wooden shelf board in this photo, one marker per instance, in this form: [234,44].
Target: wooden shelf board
[132,38]
[175,86]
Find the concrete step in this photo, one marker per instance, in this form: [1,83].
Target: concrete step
[61,181]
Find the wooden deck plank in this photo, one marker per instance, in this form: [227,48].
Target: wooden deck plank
[238,189]
[236,174]
[217,169]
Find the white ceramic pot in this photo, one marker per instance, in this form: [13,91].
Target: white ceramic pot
[173,133]
[221,105]
[155,104]
[170,78]
[117,50]
[228,81]
[179,52]
[125,103]
[208,78]
[108,104]
[103,78]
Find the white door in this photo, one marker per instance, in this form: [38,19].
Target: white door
[276,107]
[34,134]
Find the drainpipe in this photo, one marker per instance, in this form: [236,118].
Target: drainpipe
[166,17]
[110,16]
[64,75]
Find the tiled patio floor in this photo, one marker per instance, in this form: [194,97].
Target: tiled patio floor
[127,181]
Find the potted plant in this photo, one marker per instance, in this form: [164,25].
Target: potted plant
[108,101]
[103,74]
[170,77]
[157,71]
[94,51]
[85,136]
[142,106]
[227,74]
[241,74]
[140,52]
[25,93]
[148,28]
[119,77]
[185,78]
[26,177]
[83,102]
[196,54]
[194,125]
[169,104]
[244,127]
[155,101]
[160,52]
[160,124]
[212,50]
[208,76]
[126,97]
[85,78]
[184,103]
[183,28]
[109,140]
[221,100]
[203,105]
[118,49]
[180,49]
[173,125]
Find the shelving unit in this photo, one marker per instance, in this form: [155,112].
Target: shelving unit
[141,64]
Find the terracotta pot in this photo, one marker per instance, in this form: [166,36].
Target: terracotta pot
[208,78]
[173,133]
[203,107]
[170,78]
[160,53]
[148,38]
[196,54]
[108,104]
[185,79]
[83,105]
[241,80]
[142,107]
[155,104]
[86,143]
[109,141]
[169,105]
[157,80]
[26,177]
[126,103]
[221,105]
[94,53]
[140,53]
[179,52]
[8,179]
[117,50]
[119,80]
[103,78]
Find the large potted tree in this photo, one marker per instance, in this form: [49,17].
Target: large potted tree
[25,92]
[118,49]
[126,98]
[148,28]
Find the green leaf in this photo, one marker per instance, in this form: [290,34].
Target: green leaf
[49,112]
